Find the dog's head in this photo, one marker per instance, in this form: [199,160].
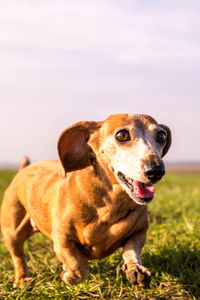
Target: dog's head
[130,146]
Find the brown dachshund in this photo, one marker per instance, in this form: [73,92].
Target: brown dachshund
[93,200]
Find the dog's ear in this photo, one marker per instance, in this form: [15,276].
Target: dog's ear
[169,139]
[73,149]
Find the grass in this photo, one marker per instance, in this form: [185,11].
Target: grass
[172,253]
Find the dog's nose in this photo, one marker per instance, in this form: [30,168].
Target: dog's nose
[154,172]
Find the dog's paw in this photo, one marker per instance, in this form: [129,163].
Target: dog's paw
[69,278]
[21,282]
[74,277]
[137,274]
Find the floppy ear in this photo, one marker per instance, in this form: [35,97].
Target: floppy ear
[169,139]
[73,149]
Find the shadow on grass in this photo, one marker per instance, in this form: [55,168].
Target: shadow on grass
[182,263]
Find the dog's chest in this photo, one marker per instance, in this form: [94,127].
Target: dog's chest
[104,235]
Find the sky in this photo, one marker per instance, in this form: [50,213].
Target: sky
[66,61]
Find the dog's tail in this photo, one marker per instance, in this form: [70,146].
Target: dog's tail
[25,162]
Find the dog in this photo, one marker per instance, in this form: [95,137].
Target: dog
[93,200]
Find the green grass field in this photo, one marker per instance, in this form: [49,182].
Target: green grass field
[172,253]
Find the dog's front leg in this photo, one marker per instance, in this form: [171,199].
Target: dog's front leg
[135,272]
[75,265]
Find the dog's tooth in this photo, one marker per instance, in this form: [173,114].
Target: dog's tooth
[130,181]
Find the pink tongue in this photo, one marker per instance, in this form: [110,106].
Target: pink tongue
[144,190]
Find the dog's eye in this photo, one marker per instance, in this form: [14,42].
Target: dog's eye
[123,136]
[161,137]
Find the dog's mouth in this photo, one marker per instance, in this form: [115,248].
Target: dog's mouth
[142,193]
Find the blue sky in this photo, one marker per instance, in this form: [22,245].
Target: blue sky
[65,61]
